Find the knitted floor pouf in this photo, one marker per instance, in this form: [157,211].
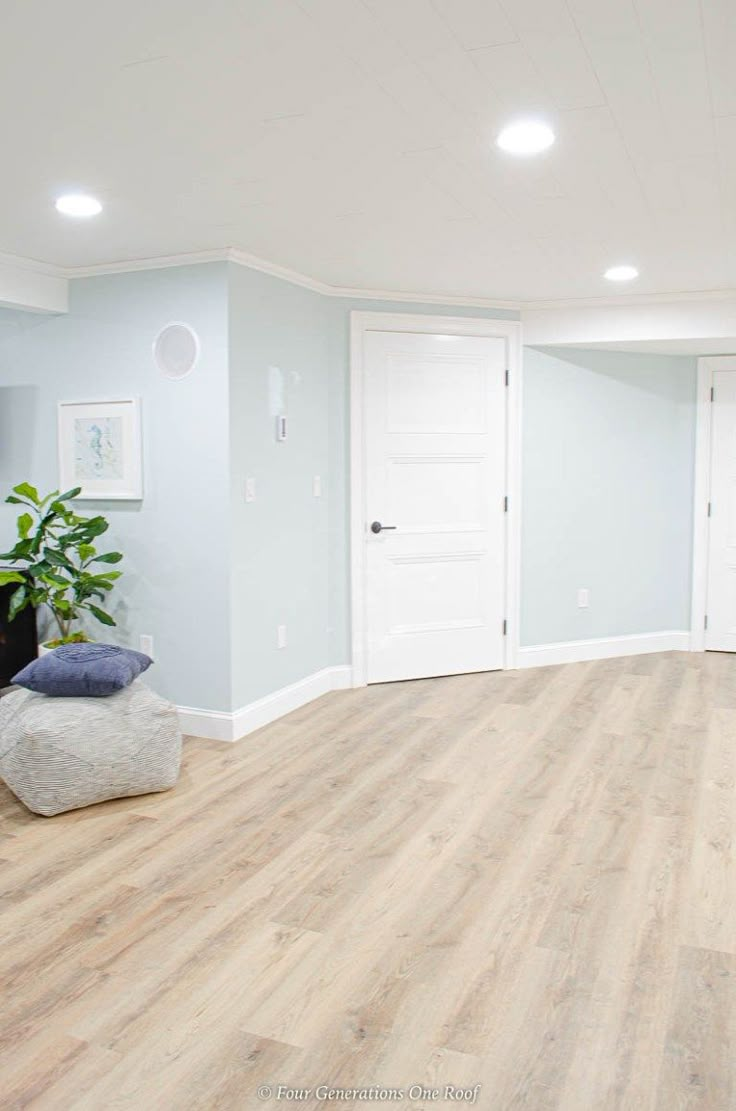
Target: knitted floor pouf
[59,754]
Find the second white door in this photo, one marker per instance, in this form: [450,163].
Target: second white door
[720,634]
[435,475]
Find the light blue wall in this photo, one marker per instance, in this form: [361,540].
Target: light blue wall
[176,541]
[209,576]
[607,477]
[280,541]
[290,549]
[607,474]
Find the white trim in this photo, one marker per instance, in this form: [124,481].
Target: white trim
[627,299]
[215,725]
[701,487]
[255,262]
[33,264]
[510,331]
[451,300]
[31,286]
[603,648]
[162,262]
[701,495]
[286,273]
[264,266]
[218,726]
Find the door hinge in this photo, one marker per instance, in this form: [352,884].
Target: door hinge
[705,622]
[709,504]
[712,394]
[506,378]
[506,504]
[504,627]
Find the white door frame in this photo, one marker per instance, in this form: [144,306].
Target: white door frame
[508,330]
[701,497]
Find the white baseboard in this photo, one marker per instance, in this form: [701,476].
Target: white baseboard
[603,648]
[219,726]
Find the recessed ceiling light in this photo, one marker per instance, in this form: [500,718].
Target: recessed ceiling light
[77,204]
[621,273]
[526,137]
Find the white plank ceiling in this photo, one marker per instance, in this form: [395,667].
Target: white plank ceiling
[353,140]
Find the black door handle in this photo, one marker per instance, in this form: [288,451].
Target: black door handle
[378,527]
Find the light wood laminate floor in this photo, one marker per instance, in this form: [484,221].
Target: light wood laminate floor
[522,880]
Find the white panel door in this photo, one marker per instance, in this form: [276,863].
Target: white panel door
[721,602]
[435,451]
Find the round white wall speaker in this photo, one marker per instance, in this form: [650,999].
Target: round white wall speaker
[176,350]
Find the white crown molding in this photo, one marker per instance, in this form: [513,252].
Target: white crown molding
[295,277]
[451,300]
[129,266]
[32,264]
[254,262]
[32,286]
[632,299]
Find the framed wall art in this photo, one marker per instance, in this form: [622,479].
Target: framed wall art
[100,449]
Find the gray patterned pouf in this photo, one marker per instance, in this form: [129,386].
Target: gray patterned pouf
[59,754]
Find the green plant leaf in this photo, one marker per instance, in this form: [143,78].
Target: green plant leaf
[94,526]
[11,577]
[54,580]
[55,550]
[25,524]
[25,490]
[18,601]
[20,551]
[100,614]
[57,558]
[38,568]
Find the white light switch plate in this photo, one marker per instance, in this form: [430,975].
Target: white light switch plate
[583,598]
[146,642]
[250,489]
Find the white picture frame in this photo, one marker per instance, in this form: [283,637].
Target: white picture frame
[100,449]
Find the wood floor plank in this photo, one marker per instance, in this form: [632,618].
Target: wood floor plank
[698,1063]
[521,879]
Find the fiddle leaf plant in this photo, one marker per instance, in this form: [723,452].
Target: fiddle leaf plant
[56,554]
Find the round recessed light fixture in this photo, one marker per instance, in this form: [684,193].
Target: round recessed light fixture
[526,137]
[621,273]
[78,204]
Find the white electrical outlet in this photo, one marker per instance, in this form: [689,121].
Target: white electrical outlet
[281,636]
[583,598]
[146,643]
[317,486]
[250,489]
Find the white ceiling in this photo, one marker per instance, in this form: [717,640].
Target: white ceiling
[352,140]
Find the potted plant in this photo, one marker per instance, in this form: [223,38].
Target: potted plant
[57,554]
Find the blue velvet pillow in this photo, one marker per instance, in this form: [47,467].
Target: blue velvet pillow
[83,669]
